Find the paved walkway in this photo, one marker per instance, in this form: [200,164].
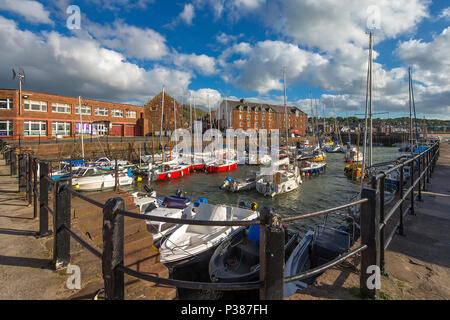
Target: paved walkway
[418,263]
[25,261]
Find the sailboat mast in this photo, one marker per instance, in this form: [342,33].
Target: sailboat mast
[175,115]
[370,100]
[285,107]
[162,116]
[81,127]
[410,112]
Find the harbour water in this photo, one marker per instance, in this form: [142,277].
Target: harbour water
[326,190]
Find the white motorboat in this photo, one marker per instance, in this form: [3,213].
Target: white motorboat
[311,167]
[392,180]
[97,179]
[236,185]
[352,154]
[334,148]
[279,182]
[192,243]
[170,207]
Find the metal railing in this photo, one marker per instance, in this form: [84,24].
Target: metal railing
[373,221]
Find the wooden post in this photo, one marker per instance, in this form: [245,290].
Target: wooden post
[43,200]
[271,255]
[370,236]
[22,173]
[61,218]
[35,186]
[113,249]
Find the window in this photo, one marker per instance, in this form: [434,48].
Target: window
[6,128]
[117,113]
[31,105]
[240,116]
[61,108]
[61,128]
[131,114]
[101,112]
[84,110]
[100,129]
[85,128]
[6,103]
[35,128]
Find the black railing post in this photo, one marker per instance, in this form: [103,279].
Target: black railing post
[370,236]
[425,172]
[113,249]
[400,226]
[428,165]
[35,186]
[8,157]
[43,200]
[411,211]
[61,219]
[382,233]
[13,162]
[271,256]
[22,173]
[30,179]
[419,167]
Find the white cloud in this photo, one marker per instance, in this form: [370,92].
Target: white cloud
[122,4]
[32,11]
[445,13]
[136,42]
[203,96]
[81,66]
[336,23]
[224,38]
[201,63]
[188,14]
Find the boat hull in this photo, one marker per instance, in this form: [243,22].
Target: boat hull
[221,168]
[172,174]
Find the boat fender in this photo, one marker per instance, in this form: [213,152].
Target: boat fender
[130,173]
[253,234]
[201,200]
[253,206]
[229,179]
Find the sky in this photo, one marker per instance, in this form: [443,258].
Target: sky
[205,50]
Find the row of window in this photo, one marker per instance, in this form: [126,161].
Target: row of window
[41,106]
[39,128]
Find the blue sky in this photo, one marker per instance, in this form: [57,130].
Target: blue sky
[125,51]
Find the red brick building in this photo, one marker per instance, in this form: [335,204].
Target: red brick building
[153,110]
[43,116]
[247,115]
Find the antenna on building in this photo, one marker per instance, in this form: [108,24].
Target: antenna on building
[20,76]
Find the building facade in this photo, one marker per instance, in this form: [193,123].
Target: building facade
[46,116]
[248,115]
[155,109]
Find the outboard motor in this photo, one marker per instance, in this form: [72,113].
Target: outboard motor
[179,193]
[148,189]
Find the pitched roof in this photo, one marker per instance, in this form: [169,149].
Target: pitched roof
[253,105]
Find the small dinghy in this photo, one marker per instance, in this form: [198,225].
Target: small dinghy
[317,247]
[192,243]
[236,259]
[236,185]
[169,207]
